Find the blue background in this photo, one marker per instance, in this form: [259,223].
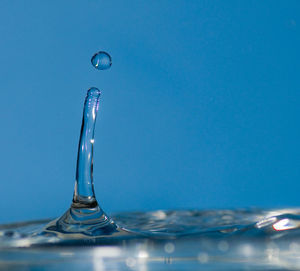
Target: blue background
[200,108]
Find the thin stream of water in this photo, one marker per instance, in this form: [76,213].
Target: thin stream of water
[85,217]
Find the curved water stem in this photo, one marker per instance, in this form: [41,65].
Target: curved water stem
[85,216]
[84,194]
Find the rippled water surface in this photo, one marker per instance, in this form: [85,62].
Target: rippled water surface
[245,239]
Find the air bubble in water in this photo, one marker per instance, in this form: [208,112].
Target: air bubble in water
[101,60]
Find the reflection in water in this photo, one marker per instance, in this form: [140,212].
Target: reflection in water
[247,239]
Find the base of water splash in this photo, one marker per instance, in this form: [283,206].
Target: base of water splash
[247,239]
[79,223]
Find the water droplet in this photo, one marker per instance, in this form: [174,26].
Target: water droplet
[101,60]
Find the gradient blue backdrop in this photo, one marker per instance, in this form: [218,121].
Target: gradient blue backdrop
[199,110]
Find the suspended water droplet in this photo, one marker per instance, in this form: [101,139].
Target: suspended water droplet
[101,60]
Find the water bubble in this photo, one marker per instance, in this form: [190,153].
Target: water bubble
[101,60]
[223,246]
[203,257]
[169,247]
[130,262]
[247,250]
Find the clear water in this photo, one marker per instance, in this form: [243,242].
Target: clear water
[85,237]
[84,218]
[101,60]
[248,239]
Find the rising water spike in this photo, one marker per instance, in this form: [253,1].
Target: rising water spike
[84,194]
[85,218]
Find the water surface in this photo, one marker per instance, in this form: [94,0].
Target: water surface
[240,239]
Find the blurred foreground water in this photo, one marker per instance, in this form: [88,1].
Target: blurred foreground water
[242,239]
